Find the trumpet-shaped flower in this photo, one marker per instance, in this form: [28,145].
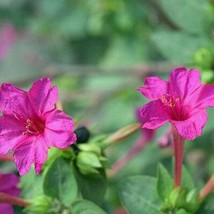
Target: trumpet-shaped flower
[31,124]
[182,101]
[8,185]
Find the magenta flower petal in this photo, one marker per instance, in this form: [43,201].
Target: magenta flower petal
[154,88]
[193,126]
[42,96]
[41,153]
[183,104]
[30,124]
[186,129]
[6,208]
[206,96]
[59,129]
[24,154]
[200,119]
[10,131]
[148,134]
[8,185]
[154,114]
[36,150]
[185,84]
[193,85]
[12,100]
[58,121]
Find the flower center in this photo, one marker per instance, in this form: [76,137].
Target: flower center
[174,106]
[33,127]
[170,101]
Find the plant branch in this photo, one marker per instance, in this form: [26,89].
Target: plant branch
[7,157]
[207,189]
[6,198]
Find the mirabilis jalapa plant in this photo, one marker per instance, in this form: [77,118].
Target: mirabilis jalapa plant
[182,101]
[30,124]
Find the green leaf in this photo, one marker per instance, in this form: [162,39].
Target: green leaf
[31,185]
[42,205]
[165,182]
[86,207]
[187,181]
[139,195]
[60,182]
[181,211]
[123,52]
[178,47]
[92,188]
[18,210]
[192,16]
[89,147]
[207,206]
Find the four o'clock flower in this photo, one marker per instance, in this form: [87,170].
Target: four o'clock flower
[31,124]
[182,101]
[8,185]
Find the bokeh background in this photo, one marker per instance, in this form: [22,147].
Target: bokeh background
[98,53]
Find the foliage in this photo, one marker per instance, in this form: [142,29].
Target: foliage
[98,53]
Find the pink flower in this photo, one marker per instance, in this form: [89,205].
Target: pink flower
[8,185]
[7,39]
[182,101]
[147,134]
[31,124]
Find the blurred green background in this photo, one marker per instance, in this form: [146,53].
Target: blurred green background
[98,53]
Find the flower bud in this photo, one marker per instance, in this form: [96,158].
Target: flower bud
[123,133]
[88,163]
[82,134]
[40,205]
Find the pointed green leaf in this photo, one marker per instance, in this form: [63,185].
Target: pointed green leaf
[195,13]
[181,211]
[92,188]
[85,207]
[60,182]
[178,47]
[139,195]
[207,206]
[165,182]
[187,181]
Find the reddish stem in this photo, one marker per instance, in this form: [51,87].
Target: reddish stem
[5,198]
[178,147]
[7,157]
[207,189]
[138,146]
